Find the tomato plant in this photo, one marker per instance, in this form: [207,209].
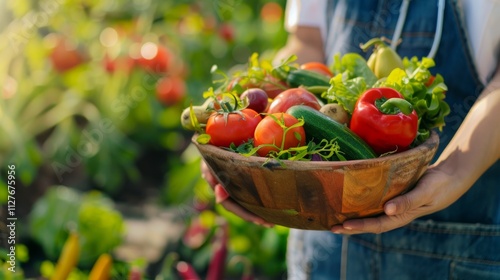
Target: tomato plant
[232,127]
[291,97]
[317,67]
[170,90]
[278,132]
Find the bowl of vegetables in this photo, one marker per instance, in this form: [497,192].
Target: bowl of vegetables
[309,146]
[316,195]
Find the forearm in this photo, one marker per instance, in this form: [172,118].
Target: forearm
[306,43]
[476,145]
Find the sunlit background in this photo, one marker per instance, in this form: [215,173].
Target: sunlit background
[91,93]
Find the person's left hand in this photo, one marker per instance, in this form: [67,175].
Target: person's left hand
[435,191]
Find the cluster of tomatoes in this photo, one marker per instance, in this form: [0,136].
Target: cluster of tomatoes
[154,58]
[263,118]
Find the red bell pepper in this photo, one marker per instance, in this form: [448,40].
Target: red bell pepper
[385,120]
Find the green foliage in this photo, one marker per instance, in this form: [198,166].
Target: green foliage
[260,250]
[428,100]
[45,112]
[352,78]
[96,124]
[264,247]
[92,215]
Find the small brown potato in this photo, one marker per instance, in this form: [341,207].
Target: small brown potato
[336,112]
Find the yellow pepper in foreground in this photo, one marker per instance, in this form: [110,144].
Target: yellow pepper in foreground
[68,258]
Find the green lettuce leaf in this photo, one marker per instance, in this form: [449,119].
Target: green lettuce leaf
[352,77]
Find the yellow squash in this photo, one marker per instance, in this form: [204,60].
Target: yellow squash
[102,268]
[68,258]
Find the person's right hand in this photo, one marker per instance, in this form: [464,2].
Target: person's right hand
[223,198]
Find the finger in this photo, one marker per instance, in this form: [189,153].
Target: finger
[371,225]
[235,208]
[220,193]
[206,174]
[404,203]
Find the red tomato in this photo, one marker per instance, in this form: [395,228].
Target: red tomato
[291,97]
[317,67]
[154,58]
[226,32]
[271,12]
[235,127]
[65,56]
[273,86]
[170,90]
[269,131]
[120,63]
[430,81]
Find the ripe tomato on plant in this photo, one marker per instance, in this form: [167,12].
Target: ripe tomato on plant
[291,97]
[119,63]
[226,32]
[64,55]
[271,131]
[317,67]
[234,127]
[154,57]
[170,90]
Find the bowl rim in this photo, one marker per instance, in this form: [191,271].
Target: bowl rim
[431,143]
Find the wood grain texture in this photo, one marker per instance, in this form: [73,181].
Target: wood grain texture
[317,195]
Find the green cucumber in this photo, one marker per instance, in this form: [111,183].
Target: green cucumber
[318,126]
[306,78]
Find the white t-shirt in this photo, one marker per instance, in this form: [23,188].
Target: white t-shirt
[481,17]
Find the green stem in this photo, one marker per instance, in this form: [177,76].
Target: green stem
[402,104]
[374,41]
[317,89]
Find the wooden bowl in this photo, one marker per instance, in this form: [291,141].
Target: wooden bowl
[317,195]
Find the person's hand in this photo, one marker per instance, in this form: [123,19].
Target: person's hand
[223,198]
[436,190]
[471,151]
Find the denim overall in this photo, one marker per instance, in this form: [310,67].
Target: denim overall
[460,242]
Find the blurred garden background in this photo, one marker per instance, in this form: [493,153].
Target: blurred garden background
[91,144]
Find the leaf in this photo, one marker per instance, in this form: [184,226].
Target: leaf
[203,139]
[428,100]
[345,91]
[395,77]
[352,77]
[355,66]
[194,119]
[291,212]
